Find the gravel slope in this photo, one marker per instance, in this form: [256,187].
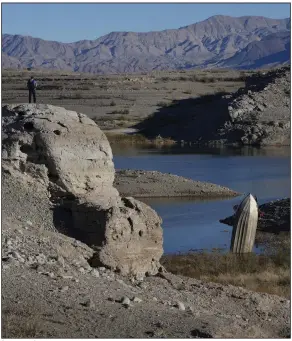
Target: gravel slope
[49,289]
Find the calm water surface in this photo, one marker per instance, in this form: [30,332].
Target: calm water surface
[190,224]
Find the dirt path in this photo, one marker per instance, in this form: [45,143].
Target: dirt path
[140,183]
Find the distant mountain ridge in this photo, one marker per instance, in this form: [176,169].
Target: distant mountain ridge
[220,41]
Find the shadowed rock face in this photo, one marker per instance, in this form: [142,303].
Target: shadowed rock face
[68,153]
[257,114]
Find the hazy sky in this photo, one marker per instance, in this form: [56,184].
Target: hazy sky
[72,22]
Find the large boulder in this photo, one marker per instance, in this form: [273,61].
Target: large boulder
[62,146]
[68,153]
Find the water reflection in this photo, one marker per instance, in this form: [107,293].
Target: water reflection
[194,224]
[131,150]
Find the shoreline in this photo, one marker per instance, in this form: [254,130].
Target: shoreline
[154,184]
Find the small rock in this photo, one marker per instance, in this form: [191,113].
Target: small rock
[155,299]
[238,316]
[125,301]
[88,303]
[41,258]
[67,277]
[102,269]
[65,288]
[82,270]
[94,272]
[29,222]
[142,285]
[49,274]
[137,300]
[191,309]
[17,256]
[139,277]
[76,243]
[260,107]
[61,261]
[180,306]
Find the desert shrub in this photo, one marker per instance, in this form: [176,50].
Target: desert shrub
[262,273]
[165,79]
[119,112]
[138,139]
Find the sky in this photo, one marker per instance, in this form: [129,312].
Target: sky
[73,22]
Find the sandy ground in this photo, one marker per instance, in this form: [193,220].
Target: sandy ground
[117,101]
[140,183]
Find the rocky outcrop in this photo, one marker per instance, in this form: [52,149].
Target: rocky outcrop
[257,114]
[274,217]
[70,155]
[260,113]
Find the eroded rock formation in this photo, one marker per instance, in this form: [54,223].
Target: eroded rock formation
[68,153]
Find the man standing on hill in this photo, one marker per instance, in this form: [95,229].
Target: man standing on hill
[31,85]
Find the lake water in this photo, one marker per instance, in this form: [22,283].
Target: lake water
[190,224]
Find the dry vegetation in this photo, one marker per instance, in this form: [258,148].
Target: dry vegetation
[137,139]
[19,325]
[262,273]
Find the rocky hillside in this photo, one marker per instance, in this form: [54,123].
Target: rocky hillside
[244,42]
[257,114]
[75,253]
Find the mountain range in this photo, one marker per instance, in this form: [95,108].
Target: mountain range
[221,41]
